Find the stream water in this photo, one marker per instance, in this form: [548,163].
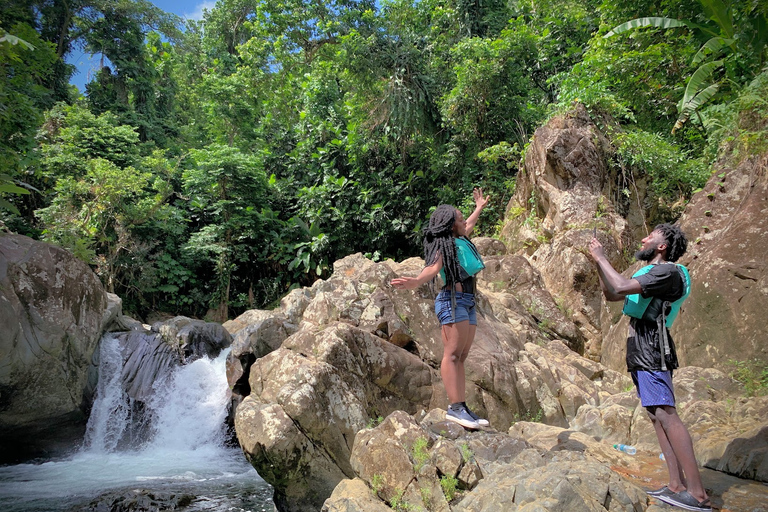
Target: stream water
[184,451]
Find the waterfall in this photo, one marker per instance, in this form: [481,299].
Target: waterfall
[181,446]
[186,407]
[110,411]
[191,411]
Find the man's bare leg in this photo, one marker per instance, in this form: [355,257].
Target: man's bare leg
[677,480]
[682,446]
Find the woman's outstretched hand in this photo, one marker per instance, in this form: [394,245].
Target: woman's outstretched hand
[404,283]
[481,201]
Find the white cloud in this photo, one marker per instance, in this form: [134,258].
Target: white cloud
[197,14]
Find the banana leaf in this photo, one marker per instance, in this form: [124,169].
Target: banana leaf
[694,104]
[700,79]
[5,205]
[720,12]
[646,22]
[714,45]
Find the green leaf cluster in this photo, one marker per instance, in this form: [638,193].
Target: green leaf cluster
[214,165]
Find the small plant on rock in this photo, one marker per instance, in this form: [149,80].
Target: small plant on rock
[449,485]
[397,502]
[374,422]
[752,374]
[376,483]
[420,453]
[466,452]
[426,496]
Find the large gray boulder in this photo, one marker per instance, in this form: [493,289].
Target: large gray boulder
[52,307]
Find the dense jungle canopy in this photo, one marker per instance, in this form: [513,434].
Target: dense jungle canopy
[209,166]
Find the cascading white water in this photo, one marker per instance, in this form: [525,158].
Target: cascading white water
[189,410]
[185,452]
[110,411]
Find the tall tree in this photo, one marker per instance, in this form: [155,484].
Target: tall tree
[25,65]
[226,190]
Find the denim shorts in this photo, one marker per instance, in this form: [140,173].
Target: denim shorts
[465,308]
[654,388]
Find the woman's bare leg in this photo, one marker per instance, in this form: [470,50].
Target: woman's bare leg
[468,343]
[456,342]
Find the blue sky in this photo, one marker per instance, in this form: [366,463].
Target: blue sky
[87,65]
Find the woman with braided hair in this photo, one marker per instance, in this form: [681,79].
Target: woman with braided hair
[448,252]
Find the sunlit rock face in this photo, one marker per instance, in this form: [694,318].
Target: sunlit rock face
[727,228]
[51,311]
[360,350]
[316,378]
[566,193]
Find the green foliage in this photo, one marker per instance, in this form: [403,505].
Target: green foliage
[92,214]
[72,136]
[419,453]
[426,496]
[490,99]
[212,170]
[449,485]
[224,187]
[98,194]
[25,62]
[753,375]
[670,172]
[634,84]
[396,502]
[377,483]
[534,417]
[374,422]
[740,126]
[742,43]
[466,452]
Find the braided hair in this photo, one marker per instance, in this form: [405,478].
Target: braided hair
[675,238]
[438,240]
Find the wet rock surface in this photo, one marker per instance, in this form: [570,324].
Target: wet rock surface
[139,500]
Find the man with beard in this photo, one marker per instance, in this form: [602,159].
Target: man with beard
[652,299]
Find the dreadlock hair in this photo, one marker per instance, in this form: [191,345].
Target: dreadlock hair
[676,241]
[438,240]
